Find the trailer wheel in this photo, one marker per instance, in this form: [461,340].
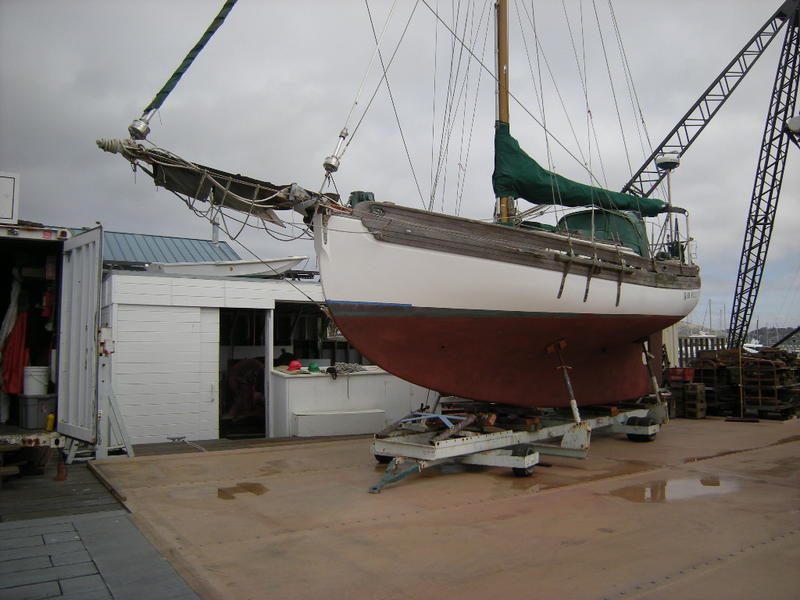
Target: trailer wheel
[642,422]
[522,450]
[383,459]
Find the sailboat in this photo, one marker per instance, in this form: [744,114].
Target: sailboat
[495,312]
[471,309]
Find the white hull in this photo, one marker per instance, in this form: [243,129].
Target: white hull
[357,268]
[450,304]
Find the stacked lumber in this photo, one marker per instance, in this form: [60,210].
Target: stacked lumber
[678,378]
[765,384]
[693,401]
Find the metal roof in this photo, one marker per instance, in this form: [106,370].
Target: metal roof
[141,248]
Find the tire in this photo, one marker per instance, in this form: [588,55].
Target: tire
[642,422]
[522,450]
[383,459]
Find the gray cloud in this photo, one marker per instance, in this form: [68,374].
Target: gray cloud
[271,91]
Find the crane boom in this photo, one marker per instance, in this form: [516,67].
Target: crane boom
[766,190]
[697,117]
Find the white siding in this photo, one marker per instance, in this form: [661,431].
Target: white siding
[165,371]
[166,329]
[166,366]
[373,390]
[224,292]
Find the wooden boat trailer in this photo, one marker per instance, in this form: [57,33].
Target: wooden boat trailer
[424,439]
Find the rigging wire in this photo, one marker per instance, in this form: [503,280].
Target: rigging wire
[213,211]
[319,304]
[611,85]
[433,105]
[513,96]
[459,39]
[458,99]
[463,172]
[342,147]
[236,239]
[447,116]
[581,66]
[553,79]
[638,112]
[391,97]
[369,66]
[645,141]
[581,63]
[377,88]
[539,93]
[558,210]
[639,117]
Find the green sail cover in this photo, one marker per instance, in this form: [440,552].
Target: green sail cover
[609,225]
[517,175]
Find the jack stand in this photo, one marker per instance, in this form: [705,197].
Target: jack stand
[653,379]
[573,404]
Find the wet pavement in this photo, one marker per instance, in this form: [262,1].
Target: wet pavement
[709,509]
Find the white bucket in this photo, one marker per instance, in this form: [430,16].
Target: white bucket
[35,381]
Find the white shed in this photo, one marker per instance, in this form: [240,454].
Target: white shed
[187,351]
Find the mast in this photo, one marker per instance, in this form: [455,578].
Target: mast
[501,15]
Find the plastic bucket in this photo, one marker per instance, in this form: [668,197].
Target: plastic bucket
[35,381]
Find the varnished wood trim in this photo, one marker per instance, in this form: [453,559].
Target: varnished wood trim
[443,233]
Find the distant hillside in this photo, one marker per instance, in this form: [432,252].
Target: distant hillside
[769,335]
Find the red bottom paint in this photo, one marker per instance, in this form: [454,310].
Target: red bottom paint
[503,359]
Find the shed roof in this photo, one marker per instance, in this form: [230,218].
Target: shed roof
[141,248]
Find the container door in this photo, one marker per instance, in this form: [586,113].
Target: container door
[81,273]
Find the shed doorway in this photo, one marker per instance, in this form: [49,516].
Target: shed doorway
[304,333]
[243,388]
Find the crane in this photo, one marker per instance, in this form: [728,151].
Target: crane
[781,128]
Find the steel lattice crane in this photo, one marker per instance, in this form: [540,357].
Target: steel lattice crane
[767,187]
[781,128]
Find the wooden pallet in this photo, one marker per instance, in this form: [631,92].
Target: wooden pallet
[694,401]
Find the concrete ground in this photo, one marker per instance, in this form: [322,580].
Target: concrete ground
[84,557]
[710,509]
[68,538]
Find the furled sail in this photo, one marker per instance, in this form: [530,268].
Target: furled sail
[237,192]
[517,175]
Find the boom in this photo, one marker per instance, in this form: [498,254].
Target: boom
[694,121]
[767,187]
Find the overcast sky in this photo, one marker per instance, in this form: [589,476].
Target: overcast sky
[270,93]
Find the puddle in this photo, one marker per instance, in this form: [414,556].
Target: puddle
[676,489]
[229,493]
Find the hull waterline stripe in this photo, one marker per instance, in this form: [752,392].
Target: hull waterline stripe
[351,303]
[378,309]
